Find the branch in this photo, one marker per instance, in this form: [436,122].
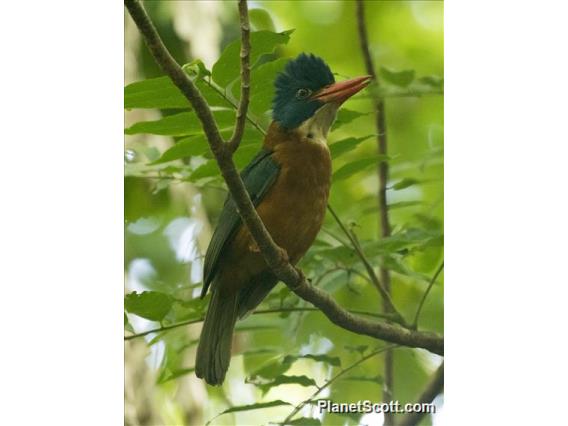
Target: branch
[433,389]
[275,257]
[258,312]
[432,281]
[383,171]
[384,293]
[333,379]
[245,78]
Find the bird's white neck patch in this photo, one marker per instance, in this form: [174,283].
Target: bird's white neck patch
[317,126]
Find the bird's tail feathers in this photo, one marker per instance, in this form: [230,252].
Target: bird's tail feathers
[214,350]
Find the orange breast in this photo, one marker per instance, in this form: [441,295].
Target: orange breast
[292,211]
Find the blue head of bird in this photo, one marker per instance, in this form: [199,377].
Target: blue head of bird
[307,96]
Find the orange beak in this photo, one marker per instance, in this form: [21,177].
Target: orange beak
[340,92]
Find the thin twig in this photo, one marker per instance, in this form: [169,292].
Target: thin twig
[275,257]
[221,93]
[245,78]
[368,266]
[425,295]
[258,312]
[301,405]
[434,387]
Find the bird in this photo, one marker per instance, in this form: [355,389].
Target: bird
[289,182]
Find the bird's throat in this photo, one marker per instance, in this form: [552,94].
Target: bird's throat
[317,126]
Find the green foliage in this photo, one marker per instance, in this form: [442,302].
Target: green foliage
[151,305]
[227,68]
[398,78]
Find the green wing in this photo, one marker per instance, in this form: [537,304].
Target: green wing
[258,177]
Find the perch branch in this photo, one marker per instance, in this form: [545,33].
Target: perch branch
[275,257]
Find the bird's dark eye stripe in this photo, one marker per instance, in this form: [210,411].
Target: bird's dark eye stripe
[303,93]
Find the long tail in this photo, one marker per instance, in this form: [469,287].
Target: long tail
[214,350]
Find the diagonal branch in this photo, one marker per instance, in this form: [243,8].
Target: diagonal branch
[274,256]
[432,390]
[245,77]
[370,271]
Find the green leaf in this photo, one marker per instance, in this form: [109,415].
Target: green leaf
[360,349]
[186,147]
[227,68]
[304,421]
[261,20]
[262,85]
[196,69]
[250,407]
[357,166]
[208,169]
[345,116]
[151,305]
[286,380]
[127,325]
[402,204]
[398,78]
[175,374]
[433,81]
[374,379]
[185,123]
[332,360]
[345,145]
[161,93]
[405,183]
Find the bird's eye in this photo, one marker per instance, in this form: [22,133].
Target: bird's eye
[303,93]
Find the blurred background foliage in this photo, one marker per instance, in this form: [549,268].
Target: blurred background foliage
[173,195]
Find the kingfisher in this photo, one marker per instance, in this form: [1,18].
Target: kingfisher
[288,182]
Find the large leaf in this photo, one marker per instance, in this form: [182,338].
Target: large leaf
[161,93]
[182,124]
[262,85]
[186,147]
[357,166]
[345,145]
[227,68]
[151,305]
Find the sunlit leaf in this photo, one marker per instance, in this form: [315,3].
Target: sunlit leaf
[262,85]
[208,169]
[175,374]
[405,183]
[399,78]
[151,305]
[227,68]
[261,20]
